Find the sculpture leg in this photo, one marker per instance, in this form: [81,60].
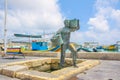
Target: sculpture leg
[74,55]
[62,58]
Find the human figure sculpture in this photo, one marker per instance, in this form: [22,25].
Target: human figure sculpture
[62,38]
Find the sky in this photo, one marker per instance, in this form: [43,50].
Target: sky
[99,19]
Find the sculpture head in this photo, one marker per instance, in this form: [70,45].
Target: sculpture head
[67,23]
[73,24]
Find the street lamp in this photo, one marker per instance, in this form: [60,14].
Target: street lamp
[5,29]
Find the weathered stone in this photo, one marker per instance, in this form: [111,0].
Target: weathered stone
[35,75]
[46,61]
[36,63]
[70,71]
[68,61]
[2,66]
[55,60]
[28,64]
[11,70]
[54,66]
[16,69]
[0,70]
[44,67]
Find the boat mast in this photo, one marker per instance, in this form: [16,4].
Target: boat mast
[5,27]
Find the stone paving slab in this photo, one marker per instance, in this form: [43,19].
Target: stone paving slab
[2,77]
[107,70]
[35,75]
[9,60]
[11,70]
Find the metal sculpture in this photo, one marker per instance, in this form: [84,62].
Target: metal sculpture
[62,38]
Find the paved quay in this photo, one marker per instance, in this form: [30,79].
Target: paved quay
[107,70]
[16,59]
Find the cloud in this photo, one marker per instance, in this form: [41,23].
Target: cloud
[104,26]
[109,37]
[116,16]
[99,23]
[32,16]
[77,37]
[36,16]
[105,3]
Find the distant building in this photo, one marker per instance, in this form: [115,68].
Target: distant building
[90,44]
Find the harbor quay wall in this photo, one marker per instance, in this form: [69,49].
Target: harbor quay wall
[97,55]
[41,54]
[80,55]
